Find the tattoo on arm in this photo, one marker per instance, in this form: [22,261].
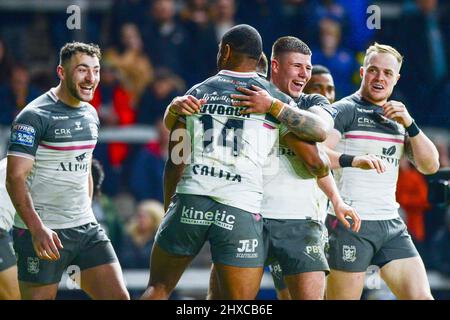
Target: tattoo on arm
[409,152]
[305,125]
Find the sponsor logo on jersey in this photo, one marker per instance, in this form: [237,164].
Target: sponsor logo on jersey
[214,97]
[23,134]
[387,156]
[366,122]
[33,265]
[247,248]
[389,151]
[63,133]
[198,217]
[215,172]
[75,167]
[283,151]
[81,157]
[233,81]
[348,253]
[364,110]
[60,117]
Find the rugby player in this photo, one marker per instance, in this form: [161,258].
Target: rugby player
[9,287]
[293,215]
[49,183]
[218,197]
[368,122]
[321,82]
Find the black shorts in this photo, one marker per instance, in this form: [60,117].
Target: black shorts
[377,243]
[85,247]
[7,257]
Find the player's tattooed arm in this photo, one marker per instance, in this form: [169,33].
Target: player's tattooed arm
[422,152]
[304,124]
[409,152]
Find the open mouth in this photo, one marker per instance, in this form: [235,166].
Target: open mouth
[377,87]
[85,89]
[298,85]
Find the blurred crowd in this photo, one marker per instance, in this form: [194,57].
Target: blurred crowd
[154,50]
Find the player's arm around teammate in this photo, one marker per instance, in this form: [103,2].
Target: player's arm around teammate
[304,124]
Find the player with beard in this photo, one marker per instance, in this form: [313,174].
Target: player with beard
[50,185]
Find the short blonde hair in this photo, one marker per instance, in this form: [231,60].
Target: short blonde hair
[153,209]
[383,48]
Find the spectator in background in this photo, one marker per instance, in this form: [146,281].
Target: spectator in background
[412,195]
[358,36]
[5,63]
[166,86]
[137,243]
[126,11]
[223,12]
[339,60]
[423,37]
[104,209]
[165,39]
[196,19]
[440,248]
[113,104]
[16,94]
[134,67]
[146,179]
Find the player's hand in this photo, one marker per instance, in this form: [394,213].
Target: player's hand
[255,99]
[397,111]
[46,243]
[186,105]
[343,211]
[368,162]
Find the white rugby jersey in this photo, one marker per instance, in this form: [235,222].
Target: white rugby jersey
[291,192]
[60,139]
[365,130]
[7,210]
[229,149]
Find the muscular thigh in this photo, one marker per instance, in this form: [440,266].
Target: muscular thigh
[186,224]
[297,245]
[236,238]
[350,251]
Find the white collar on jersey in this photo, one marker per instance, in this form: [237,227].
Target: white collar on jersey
[238,74]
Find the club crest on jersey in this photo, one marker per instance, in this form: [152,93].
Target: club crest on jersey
[78,126]
[33,265]
[348,253]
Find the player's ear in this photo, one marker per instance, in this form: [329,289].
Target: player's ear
[60,72]
[361,71]
[226,52]
[274,65]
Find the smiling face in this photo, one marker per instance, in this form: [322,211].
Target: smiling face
[379,74]
[291,71]
[322,84]
[81,76]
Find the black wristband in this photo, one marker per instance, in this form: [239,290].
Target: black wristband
[345,160]
[413,130]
